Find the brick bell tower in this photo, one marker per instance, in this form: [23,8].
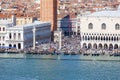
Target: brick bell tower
[48,12]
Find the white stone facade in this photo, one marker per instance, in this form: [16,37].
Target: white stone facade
[21,37]
[100,32]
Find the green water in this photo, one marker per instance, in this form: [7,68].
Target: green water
[37,69]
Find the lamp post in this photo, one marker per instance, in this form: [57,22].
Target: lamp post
[34,37]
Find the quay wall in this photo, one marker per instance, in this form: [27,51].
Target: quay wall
[60,57]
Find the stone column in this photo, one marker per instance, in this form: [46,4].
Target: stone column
[60,40]
[34,37]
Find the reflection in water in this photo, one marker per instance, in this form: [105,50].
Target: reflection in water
[36,69]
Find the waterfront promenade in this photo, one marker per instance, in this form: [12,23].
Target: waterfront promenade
[70,46]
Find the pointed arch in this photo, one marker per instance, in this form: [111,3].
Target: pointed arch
[111,38]
[96,38]
[91,38]
[100,46]
[117,26]
[90,26]
[115,38]
[95,46]
[111,47]
[89,46]
[84,45]
[105,46]
[88,38]
[101,38]
[85,37]
[106,38]
[116,46]
[103,26]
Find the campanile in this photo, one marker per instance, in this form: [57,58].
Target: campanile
[48,12]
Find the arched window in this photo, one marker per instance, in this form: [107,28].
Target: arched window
[117,38]
[0,28]
[105,46]
[19,45]
[96,38]
[78,31]
[85,37]
[78,27]
[88,37]
[19,36]
[106,38]
[116,46]
[10,35]
[117,26]
[14,35]
[103,26]
[3,38]
[101,38]
[95,46]
[90,26]
[3,29]
[84,45]
[109,38]
[10,46]
[14,45]
[114,38]
[89,46]
[91,38]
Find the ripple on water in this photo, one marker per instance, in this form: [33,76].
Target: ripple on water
[13,77]
[36,69]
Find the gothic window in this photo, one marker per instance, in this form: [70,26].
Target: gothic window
[117,27]
[103,27]
[90,26]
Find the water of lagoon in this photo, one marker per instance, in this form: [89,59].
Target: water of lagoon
[36,69]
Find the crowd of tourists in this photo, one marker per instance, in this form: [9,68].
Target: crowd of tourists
[69,44]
